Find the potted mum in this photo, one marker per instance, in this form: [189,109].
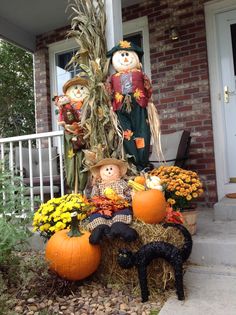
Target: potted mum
[55,214]
[182,188]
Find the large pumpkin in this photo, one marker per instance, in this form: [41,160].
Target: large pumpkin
[149,206]
[72,257]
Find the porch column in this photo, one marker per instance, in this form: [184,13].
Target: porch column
[114,32]
[42,91]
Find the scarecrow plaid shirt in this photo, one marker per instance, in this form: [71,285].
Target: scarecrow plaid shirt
[120,187]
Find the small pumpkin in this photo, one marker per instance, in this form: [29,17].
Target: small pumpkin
[140,180]
[70,254]
[149,206]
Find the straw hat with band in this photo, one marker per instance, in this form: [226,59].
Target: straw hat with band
[74,81]
[127,46]
[109,161]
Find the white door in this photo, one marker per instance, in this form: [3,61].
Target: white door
[226,30]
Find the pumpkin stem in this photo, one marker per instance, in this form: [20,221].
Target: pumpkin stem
[74,231]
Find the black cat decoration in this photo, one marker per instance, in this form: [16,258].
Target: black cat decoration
[143,257]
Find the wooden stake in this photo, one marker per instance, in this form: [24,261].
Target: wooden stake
[76,177]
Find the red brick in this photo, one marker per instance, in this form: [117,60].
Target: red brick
[167,100]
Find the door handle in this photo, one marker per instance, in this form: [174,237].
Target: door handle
[227,93]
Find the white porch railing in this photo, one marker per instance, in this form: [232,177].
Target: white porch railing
[34,158]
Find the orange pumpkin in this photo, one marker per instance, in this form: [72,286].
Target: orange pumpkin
[149,206]
[72,257]
[140,179]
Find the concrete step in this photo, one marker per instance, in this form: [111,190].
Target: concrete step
[225,209]
[208,290]
[214,242]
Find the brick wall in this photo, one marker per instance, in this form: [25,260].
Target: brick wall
[179,76]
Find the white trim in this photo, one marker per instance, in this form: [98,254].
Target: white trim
[211,9]
[17,35]
[114,22]
[53,49]
[140,25]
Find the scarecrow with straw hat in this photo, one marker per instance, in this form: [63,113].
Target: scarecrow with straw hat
[70,109]
[112,197]
[130,90]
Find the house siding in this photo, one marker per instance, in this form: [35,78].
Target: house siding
[179,76]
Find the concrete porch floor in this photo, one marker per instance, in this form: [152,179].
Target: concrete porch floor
[209,291]
[210,280]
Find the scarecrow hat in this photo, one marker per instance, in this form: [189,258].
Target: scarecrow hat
[128,46]
[108,161]
[74,81]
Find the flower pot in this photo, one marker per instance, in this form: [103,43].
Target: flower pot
[190,219]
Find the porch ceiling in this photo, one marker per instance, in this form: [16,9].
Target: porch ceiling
[21,21]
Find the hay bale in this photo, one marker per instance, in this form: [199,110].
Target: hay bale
[160,273]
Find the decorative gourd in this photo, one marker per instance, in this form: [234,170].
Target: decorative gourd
[135,186]
[154,182]
[70,254]
[149,206]
[140,180]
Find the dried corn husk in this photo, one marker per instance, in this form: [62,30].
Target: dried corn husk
[101,128]
[155,129]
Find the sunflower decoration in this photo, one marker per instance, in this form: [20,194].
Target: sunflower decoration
[124,44]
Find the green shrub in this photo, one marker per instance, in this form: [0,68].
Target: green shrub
[15,214]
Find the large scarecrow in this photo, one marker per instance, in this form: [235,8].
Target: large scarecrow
[131,91]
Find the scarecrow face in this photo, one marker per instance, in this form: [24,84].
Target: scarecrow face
[77,92]
[62,100]
[109,172]
[123,60]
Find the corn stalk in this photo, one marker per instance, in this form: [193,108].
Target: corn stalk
[101,129]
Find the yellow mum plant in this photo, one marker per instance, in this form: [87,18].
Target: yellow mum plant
[55,214]
[181,186]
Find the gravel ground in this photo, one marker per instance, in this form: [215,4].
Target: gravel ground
[34,290]
[91,298]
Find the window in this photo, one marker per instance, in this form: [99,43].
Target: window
[233,37]
[59,55]
[63,73]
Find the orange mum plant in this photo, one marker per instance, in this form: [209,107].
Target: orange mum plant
[181,186]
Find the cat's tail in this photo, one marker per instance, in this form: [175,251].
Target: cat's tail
[188,242]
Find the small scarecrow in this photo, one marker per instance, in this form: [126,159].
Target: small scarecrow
[70,108]
[131,91]
[111,196]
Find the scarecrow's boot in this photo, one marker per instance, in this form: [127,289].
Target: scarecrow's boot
[98,233]
[123,230]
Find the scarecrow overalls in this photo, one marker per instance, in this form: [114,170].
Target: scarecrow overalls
[130,92]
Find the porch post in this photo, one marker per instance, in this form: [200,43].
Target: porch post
[114,32]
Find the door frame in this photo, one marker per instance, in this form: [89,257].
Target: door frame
[140,25]
[211,9]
